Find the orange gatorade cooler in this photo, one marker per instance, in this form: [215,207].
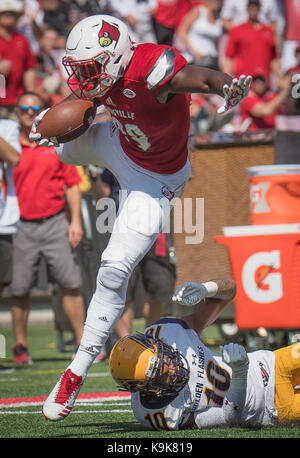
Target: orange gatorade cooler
[275,194]
[265,264]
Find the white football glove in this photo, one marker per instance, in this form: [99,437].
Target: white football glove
[236,93]
[36,137]
[235,356]
[190,293]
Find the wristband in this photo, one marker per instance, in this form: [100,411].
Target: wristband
[211,288]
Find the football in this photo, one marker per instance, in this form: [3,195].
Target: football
[67,121]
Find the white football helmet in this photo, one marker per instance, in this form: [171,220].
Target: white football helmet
[98,51]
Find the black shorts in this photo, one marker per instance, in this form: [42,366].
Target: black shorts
[158,277]
[164,35]
[5,258]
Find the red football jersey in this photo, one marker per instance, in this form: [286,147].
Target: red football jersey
[154,135]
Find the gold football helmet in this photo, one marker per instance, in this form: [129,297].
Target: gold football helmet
[140,362]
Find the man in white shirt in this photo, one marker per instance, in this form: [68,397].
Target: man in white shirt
[10,150]
[138,15]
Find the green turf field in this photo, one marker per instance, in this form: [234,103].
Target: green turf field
[98,419]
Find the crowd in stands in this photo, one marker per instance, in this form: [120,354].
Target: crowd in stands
[256,37]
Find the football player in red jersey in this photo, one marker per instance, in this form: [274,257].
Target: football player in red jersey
[146,89]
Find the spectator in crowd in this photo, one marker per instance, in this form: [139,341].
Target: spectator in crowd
[235,13]
[139,17]
[52,90]
[296,68]
[291,34]
[261,105]
[251,46]
[9,209]
[47,43]
[17,63]
[40,180]
[62,15]
[204,116]
[200,30]
[85,184]
[54,13]
[165,20]
[76,10]
[50,78]
[105,6]
[26,23]
[185,7]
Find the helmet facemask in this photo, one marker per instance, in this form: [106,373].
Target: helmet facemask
[158,380]
[89,76]
[162,383]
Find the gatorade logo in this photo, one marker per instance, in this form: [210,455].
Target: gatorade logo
[262,282]
[258,198]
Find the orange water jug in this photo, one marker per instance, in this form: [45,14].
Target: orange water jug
[275,194]
[265,263]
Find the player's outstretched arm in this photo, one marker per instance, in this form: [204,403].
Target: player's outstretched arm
[209,298]
[196,79]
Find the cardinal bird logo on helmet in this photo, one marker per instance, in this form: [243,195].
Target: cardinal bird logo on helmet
[108,34]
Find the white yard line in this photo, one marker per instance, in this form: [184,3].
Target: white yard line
[17,412]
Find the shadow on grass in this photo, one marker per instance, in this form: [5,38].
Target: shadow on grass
[132,430]
[104,429]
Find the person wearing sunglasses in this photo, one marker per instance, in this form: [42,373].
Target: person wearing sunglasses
[25,108]
[40,180]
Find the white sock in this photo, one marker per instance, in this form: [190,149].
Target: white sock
[104,311]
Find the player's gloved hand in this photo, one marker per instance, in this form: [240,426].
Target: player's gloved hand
[236,93]
[190,293]
[235,356]
[36,137]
